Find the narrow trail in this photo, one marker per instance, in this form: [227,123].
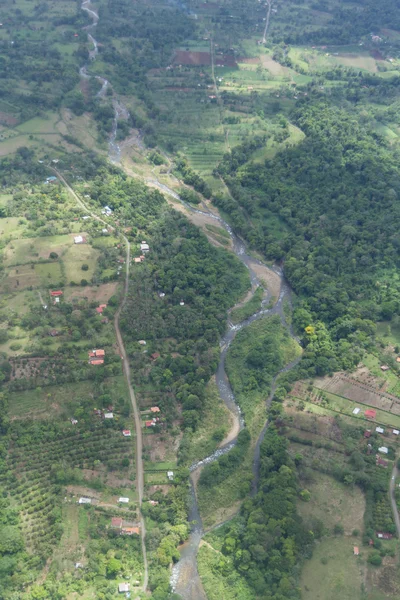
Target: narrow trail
[392,489]
[269,2]
[127,373]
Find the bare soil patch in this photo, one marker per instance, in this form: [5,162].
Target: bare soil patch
[273,67]
[99,293]
[183,57]
[269,277]
[361,392]
[7,119]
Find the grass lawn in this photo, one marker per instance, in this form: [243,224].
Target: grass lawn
[76,256]
[333,502]
[53,401]
[341,576]
[28,250]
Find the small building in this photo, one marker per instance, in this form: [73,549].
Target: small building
[383,450]
[84,500]
[107,211]
[100,308]
[105,231]
[370,413]
[123,500]
[116,522]
[161,294]
[74,421]
[137,260]
[149,423]
[79,239]
[126,432]
[130,531]
[367,433]
[108,415]
[154,409]
[181,303]
[153,502]
[105,320]
[384,535]
[380,462]
[170,475]
[56,293]
[54,333]
[144,247]
[396,431]
[356,551]
[99,352]
[398,359]
[384,368]
[380,430]
[97,361]
[78,565]
[155,355]
[356,411]
[124,587]
[142,342]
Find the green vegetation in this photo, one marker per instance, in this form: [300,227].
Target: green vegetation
[249,308]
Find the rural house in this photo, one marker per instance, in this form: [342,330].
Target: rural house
[78,239]
[383,450]
[370,413]
[130,531]
[123,588]
[356,551]
[126,432]
[116,522]
[100,308]
[56,293]
[380,430]
[154,409]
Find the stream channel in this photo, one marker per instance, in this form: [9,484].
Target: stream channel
[185,579]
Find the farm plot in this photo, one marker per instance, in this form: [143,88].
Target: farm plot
[333,502]
[101,293]
[38,467]
[351,389]
[28,250]
[75,257]
[60,400]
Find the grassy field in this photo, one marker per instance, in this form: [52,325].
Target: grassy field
[333,503]
[341,576]
[76,256]
[57,401]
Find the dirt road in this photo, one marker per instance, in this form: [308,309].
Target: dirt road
[393,499]
[127,373]
[269,2]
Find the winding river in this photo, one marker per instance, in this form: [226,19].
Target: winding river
[120,110]
[185,579]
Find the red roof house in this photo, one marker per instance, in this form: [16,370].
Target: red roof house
[99,352]
[130,530]
[97,361]
[155,356]
[155,409]
[367,433]
[370,413]
[100,308]
[149,423]
[356,551]
[116,522]
[56,293]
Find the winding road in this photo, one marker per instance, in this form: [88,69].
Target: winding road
[392,489]
[127,372]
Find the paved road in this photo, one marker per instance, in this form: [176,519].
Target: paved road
[127,373]
[392,498]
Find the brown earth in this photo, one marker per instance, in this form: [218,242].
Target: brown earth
[101,293]
[195,59]
[7,119]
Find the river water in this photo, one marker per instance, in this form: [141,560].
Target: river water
[185,579]
[120,111]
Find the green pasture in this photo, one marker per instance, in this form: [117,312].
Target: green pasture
[76,256]
[57,401]
[333,571]
[26,250]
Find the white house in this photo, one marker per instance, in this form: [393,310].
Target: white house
[396,431]
[170,475]
[85,501]
[383,449]
[78,239]
[123,500]
[124,587]
[144,247]
[108,415]
[379,430]
[356,411]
